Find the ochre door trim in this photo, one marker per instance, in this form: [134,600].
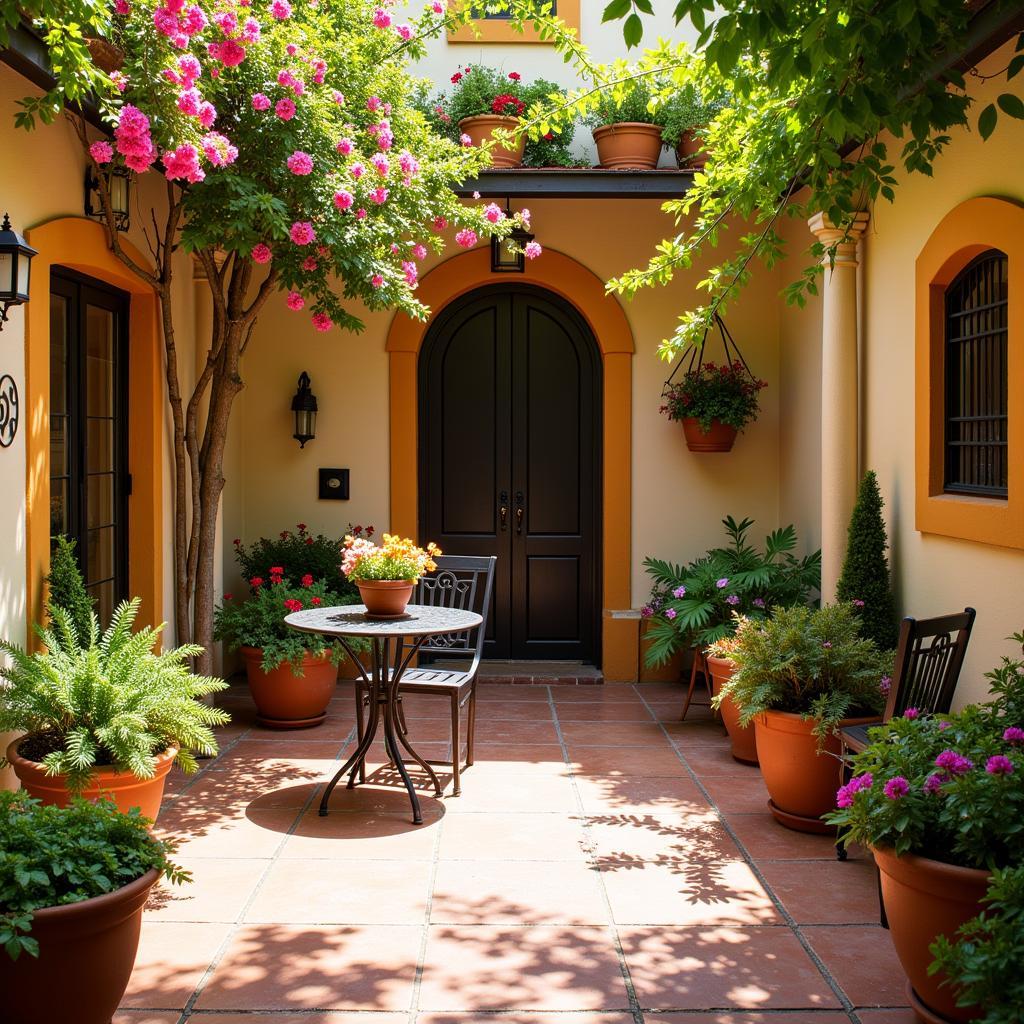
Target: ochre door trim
[585,291]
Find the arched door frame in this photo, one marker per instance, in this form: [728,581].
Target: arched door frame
[584,291]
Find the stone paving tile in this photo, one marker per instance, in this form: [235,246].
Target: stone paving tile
[825,891]
[862,959]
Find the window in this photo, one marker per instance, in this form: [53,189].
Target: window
[976,378]
[493,26]
[88,435]
[481,11]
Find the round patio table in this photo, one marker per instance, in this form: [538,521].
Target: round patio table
[393,644]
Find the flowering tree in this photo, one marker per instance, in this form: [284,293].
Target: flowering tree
[296,160]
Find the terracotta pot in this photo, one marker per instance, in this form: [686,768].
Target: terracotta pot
[125,789]
[923,899]
[86,954]
[741,737]
[629,145]
[386,597]
[670,672]
[481,129]
[105,55]
[801,782]
[720,438]
[690,152]
[283,699]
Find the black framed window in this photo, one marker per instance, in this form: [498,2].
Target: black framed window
[89,483]
[976,378]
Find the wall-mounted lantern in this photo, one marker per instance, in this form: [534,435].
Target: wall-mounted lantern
[304,407]
[507,253]
[15,263]
[118,181]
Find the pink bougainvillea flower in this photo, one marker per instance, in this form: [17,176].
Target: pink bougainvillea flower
[419,251]
[133,140]
[385,139]
[227,22]
[360,214]
[183,163]
[219,150]
[494,213]
[377,280]
[885,684]
[309,264]
[524,217]
[261,253]
[120,80]
[122,7]
[381,18]
[465,140]
[934,783]
[285,109]
[408,163]
[302,232]
[230,53]
[251,30]
[102,152]
[322,322]
[999,764]
[411,272]
[440,223]
[1013,734]
[373,103]
[189,102]
[896,787]
[404,31]
[207,114]
[281,10]
[190,69]
[338,97]
[437,7]
[319,70]
[295,301]
[394,248]
[379,196]
[300,163]
[380,162]
[260,101]
[357,170]
[344,147]
[732,599]
[343,200]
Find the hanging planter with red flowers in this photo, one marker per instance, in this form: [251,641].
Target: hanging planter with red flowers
[713,401]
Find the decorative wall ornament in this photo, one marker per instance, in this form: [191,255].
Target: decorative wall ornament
[9,410]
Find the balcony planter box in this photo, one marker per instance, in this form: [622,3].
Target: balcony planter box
[629,145]
[124,788]
[741,737]
[86,955]
[923,899]
[285,700]
[481,129]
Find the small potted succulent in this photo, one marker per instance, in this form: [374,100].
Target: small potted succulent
[940,802]
[713,403]
[698,604]
[291,675]
[386,575]
[73,882]
[627,134]
[801,674]
[683,117]
[104,714]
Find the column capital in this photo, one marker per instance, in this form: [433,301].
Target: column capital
[828,234]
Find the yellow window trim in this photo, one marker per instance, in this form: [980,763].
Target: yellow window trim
[965,232]
[485,31]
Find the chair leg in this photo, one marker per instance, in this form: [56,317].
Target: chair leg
[402,725]
[883,920]
[360,726]
[471,726]
[456,746]
[692,686]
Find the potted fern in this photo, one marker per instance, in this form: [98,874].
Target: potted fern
[104,714]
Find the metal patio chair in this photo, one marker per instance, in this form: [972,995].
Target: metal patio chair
[461,581]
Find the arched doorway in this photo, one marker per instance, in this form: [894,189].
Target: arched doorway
[510,459]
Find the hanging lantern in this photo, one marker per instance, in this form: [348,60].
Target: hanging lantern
[15,263]
[304,407]
[118,181]
[507,253]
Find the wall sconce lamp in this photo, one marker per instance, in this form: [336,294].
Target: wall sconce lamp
[304,407]
[15,263]
[118,181]
[507,253]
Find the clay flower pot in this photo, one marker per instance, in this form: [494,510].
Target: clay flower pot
[741,737]
[385,597]
[719,438]
[629,145]
[107,56]
[690,152]
[801,782]
[86,954]
[125,789]
[283,699]
[923,899]
[481,129]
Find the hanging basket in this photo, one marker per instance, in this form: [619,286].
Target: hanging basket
[720,437]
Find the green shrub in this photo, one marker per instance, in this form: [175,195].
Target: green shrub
[865,576]
[67,588]
[112,702]
[629,102]
[53,856]
[686,111]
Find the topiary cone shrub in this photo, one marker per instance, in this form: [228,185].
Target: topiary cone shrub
[865,576]
[67,588]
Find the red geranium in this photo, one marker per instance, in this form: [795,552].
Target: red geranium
[508,105]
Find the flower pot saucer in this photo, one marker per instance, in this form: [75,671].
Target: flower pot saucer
[924,1013]
[799,822]
[291,723]
[374,617]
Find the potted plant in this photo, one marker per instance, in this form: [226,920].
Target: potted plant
[683,117]
[800,675]
[109,716]
[940,802]
[698,604]
[385,575]
[291,675]
[627,134]
[73,882]
[713,403]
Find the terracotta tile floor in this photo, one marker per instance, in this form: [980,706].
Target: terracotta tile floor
[605,864]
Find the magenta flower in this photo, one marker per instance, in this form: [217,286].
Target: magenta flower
[295,301]
[934,783]
[230,53]
[195,20]
[440,223]
[227,22]
[380,162]
[732,599]
[379,196]
[858,603]
[885,684]
[261,253]
[404,31]
[377,280]
[944,725]
[467,238]
[260,101]
[465,139]
[437,7]
[360,214]
[532,250]
[419,251]
[373,103]
[646,612]
[1013,735]
[896,787]
[219,150]
[302,232]
[385,139]
[285,109]
[954,763]
[309,264]
[758,602]
[102,152]
[827,645]
[189,102]
[281,10]
[679,592]
[411,272]
[300,163]
[183,162]
[322,322]
[251,30]
[344,146]
[999,764]
[722,583]
[670,613]
[343,200]
[207,114]
[381,18]
[357,170]
[122,7]
[912,713]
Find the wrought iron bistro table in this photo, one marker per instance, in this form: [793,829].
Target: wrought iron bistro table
[393,644]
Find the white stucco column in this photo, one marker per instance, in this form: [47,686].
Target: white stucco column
[839,394]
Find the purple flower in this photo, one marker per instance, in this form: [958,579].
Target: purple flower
[732,599]
[858,603]
[1014,735]
[999,764]
[954,763]
[670,613]
[722,583]
[646,612]
[845,794]
[912,713]
[944,725]
[885,684]
[896,787]
[934,783]
[758,602]
[827,644]
[679,592]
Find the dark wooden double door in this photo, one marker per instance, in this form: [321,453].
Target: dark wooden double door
[510,436]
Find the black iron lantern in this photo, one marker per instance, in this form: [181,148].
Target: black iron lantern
[304,407]
[15,263]
[118,181]
[507,253]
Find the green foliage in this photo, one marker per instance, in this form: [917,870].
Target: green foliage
[865,575]
[53,856]
[725,393]
[259,621]
[692,606]
[954,810]
[67,588]
[634,104]
[686,110]
[983,963]
[812,662]
[107,700]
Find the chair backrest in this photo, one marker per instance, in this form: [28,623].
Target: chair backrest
[461,581]
[929,657]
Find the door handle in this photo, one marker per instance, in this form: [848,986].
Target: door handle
[503,509]
[519,511]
